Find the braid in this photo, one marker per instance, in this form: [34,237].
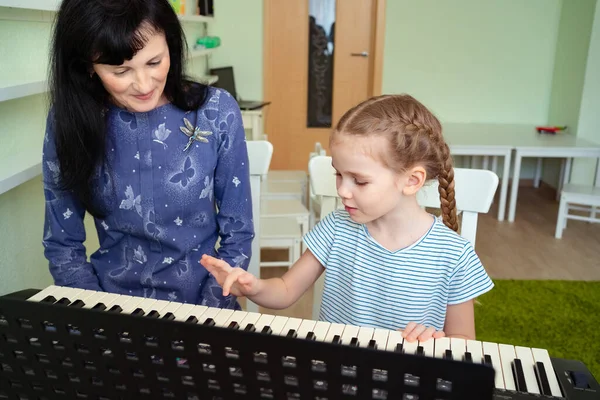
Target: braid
[446,189]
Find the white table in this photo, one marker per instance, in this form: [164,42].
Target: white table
[562,145]
[483,140]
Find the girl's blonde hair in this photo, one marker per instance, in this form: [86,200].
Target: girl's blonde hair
[415,135]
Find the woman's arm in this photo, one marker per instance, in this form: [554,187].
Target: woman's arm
[276,293]
[64,231]
[232,186]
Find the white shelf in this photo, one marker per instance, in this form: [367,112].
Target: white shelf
[18,172]
[44,5]
[196,18]
[202,52]
[15,90]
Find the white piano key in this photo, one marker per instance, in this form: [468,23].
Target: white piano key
[321,330]
[410,347]
[441,345]
[250,318]
[222,317]
[94,299]
[277,325]
[306,326]
[159,306]
[428,347]
[350,332]
[42,294]
[68,293]
[475,347]
[364,336]
[129,305]
[394,339]
[541,355]
[380,336]
[264,320]
[181,314]
[146,305]
[493,351]
[202,313]
[335,329]
[524,354]
[172,307]
[458,347]
[507,356]
[237,316]
[291,324]
[112,299]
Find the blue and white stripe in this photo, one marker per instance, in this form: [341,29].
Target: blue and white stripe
[368,285]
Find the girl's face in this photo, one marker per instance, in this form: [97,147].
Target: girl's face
[368,188]
[138,84]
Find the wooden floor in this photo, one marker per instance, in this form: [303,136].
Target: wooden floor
[524,249]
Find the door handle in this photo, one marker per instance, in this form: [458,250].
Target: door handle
[363,54]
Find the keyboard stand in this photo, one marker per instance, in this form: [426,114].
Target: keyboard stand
[58,352]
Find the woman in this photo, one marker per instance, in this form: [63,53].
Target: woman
[159,161]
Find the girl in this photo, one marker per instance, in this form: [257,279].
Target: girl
[388,263]
[149,153]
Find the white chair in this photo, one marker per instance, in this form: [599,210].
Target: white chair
[281,233]
[260,153]
[584,198]
[314,202]
[474,193]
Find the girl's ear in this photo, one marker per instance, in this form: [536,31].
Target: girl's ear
[414,180]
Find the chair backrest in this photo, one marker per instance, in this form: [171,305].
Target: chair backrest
[474,193]
[260,153]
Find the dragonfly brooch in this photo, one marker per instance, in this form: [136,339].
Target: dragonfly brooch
[193,133]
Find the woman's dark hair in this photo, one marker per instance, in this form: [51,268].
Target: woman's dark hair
[104,32]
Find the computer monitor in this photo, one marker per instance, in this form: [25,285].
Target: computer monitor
[226,80]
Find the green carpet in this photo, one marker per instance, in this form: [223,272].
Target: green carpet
[560,316]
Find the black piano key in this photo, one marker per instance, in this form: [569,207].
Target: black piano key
[420,351]
[311,336]
[77,304]
[468,357]
[354,342]
[169,316]
[250,328]
[372,344]
[448,355]
[115,309]
[267,330]
[542,378]
[153,314]
[192,320]
[209,322]
[398,348]
[337,339]
[139,312]
[99,306]
[517,369]
[234,325]
[487,359]
[63,302]
[292,334]
[49,299]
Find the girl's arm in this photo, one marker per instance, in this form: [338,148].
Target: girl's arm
[460,320]
[275,293]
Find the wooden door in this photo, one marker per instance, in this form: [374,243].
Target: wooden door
[294,123]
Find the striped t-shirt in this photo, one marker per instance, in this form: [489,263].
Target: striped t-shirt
[368,285]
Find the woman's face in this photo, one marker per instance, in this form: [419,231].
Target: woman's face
[138,84]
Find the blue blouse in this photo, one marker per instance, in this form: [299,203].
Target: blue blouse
[173,183]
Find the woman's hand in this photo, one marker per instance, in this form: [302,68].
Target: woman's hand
[234,281]
[414,331]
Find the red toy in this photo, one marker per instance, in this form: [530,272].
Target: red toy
[550,129]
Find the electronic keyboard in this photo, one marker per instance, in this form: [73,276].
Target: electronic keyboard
[119,346]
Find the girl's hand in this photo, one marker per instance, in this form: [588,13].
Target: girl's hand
[234,281]
[414,331]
